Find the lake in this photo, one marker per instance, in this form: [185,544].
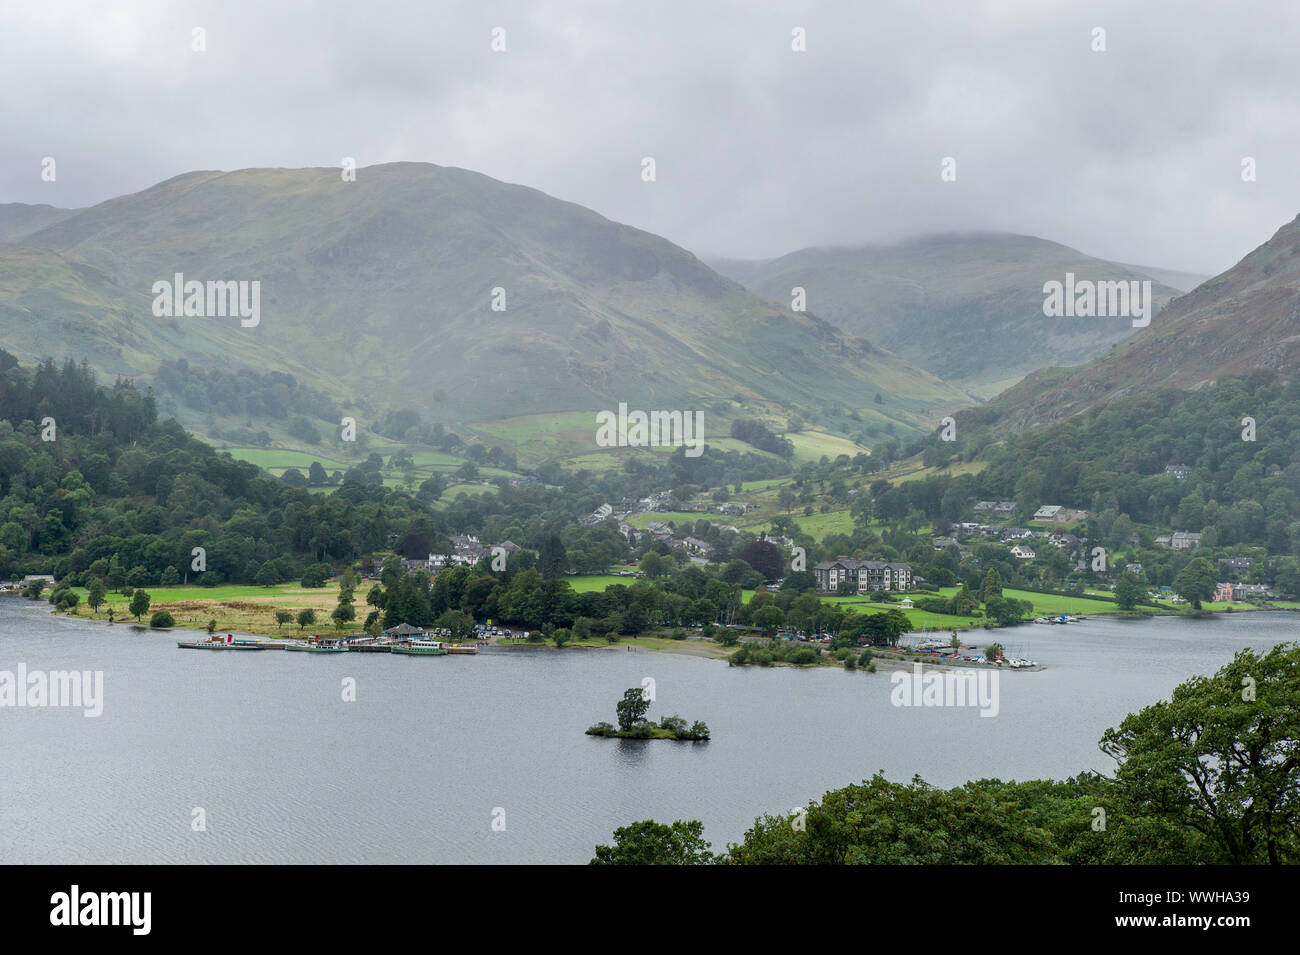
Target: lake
[433,750]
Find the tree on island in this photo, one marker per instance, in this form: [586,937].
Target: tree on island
[139,604]
[632,722]
[632,708]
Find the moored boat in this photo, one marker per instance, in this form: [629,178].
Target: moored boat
[421,648]
[460,648]
[212,643]
[319,646]
[375,647]
[246,643]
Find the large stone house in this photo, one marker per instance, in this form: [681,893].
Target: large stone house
[865,575]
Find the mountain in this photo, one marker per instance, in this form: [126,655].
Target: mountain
[1245,319]
[18,220]
[968,308]
[378,292]
[1178,281]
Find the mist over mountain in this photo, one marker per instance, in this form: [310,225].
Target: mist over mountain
[1248,318]
[968,308]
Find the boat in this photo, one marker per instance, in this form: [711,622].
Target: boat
[212,643]
[370,646]
[421,648]
[244,643]
[458,648]
[252,643]
[319,646]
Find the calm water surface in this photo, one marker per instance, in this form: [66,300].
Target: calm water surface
[415,769]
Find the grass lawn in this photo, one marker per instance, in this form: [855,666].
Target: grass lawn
[280,458]
[1045,604]
[922,620]
[473,490]
[235,607]
[814,445]
[819,525]
[598,582]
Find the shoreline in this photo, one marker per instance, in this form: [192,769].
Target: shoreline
[886,658]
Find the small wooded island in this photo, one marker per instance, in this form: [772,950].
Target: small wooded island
[632,723]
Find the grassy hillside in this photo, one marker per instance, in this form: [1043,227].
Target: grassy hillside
[18,220]
[378,293]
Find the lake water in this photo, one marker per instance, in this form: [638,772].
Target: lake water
[433,749]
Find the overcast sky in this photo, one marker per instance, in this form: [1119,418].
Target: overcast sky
[1133,154]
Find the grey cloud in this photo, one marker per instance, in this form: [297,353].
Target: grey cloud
[1133,154]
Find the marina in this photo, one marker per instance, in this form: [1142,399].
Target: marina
[411,642]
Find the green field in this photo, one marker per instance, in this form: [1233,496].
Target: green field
[473,490]
[598,582]
[238,607]
[814,445]
[281,458]
[1049,604]
[818,525]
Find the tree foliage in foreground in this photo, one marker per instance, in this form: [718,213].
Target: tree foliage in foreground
[654,843]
